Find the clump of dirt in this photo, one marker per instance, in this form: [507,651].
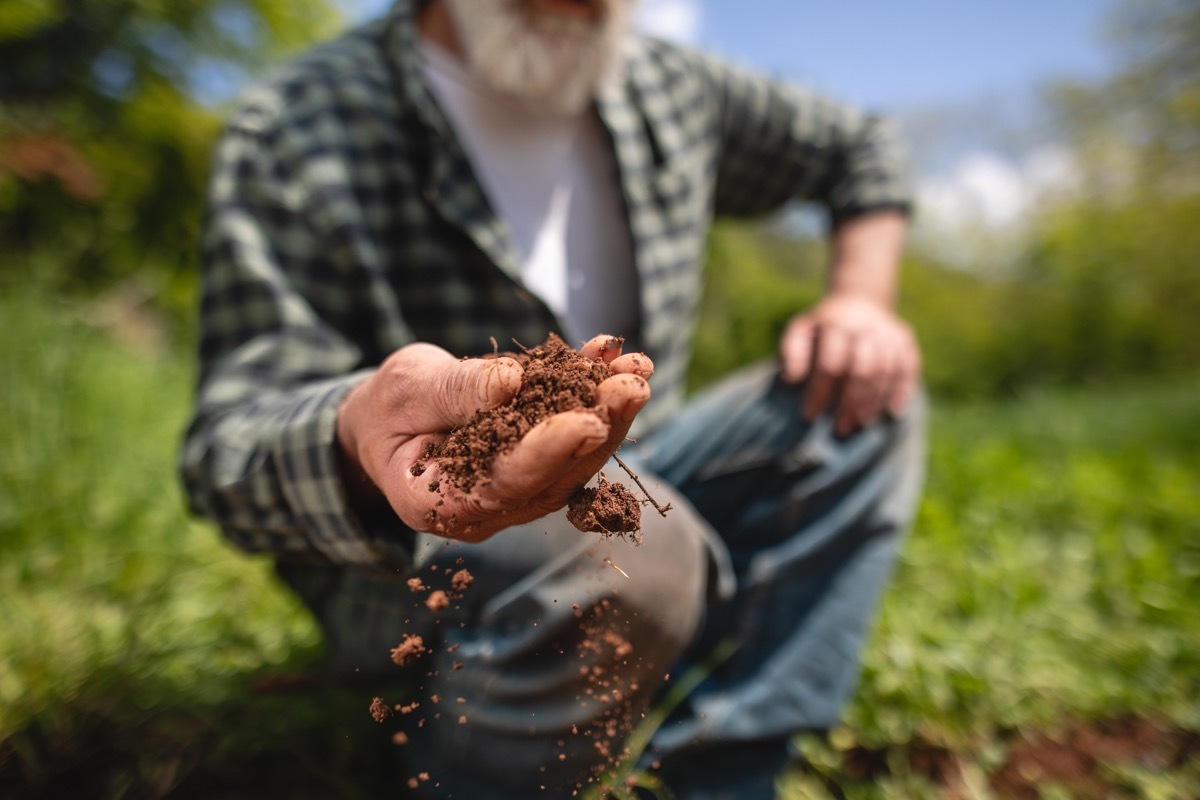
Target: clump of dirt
[462,580]
[437,601]
[607,508]
[557,378]
[379,709]
[409,650]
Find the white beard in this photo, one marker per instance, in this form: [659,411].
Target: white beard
[554,63]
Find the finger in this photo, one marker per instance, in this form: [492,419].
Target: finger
[633,364]
[903,390]
[604,347]
[795,351]
[861,399]
[433,391]
[830,362]
[907,378]
[411,496]
[624,395]
[551,448]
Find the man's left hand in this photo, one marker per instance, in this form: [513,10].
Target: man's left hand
[859,358]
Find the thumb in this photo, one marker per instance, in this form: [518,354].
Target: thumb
[437,392]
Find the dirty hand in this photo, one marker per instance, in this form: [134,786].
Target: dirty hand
[859,358]
[421,392]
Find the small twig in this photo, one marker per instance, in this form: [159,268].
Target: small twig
[618,569]
[660,509]
[495,346]
[524,349]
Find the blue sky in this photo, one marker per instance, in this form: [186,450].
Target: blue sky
[890,55]
[962,78]
[898,55]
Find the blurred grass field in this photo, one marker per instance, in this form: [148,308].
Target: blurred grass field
[1052,582]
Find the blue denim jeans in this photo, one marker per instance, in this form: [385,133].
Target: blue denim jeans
[809,523]
[780,541]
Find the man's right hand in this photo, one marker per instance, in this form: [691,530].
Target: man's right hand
[421,392]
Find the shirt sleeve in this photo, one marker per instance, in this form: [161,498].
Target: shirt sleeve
[781,143]
[260,456]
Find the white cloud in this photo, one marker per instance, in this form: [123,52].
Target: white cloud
[977,212]
[677,20]
[986,190]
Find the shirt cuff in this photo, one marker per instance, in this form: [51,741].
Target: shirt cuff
[305,453]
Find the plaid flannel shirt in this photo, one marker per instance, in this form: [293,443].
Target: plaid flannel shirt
[344,221]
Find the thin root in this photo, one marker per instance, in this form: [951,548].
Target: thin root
[618,569]
[662,510]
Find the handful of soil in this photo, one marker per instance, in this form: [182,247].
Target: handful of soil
[557,379]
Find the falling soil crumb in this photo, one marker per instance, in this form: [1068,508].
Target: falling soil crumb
[462,580]
[415,585]
[620,645]
[409,650]
[462,720]
[408,708]
[608,508]
[379,709]
[400,738]
[437,601]
[557,378]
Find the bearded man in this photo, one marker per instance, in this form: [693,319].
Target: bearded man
[465,172]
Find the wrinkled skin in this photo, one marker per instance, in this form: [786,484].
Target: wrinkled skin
[421,391]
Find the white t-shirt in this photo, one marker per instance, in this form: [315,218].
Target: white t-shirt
[553,180]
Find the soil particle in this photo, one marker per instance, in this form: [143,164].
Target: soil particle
[462,580]
[437,601]
[379,709]
[409,650]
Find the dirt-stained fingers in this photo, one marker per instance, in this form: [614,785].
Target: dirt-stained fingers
[605,347]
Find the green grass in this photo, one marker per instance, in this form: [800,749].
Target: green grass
[1053,577]
[1053,580]
[131,631]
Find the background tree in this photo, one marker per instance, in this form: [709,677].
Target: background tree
[104,139]
[1102,286]
[1110,277]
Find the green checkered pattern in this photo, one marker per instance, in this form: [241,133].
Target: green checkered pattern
[345,221]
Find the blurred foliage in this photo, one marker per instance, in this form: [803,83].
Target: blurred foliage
[131,632]
[756,280]
[1053,576]
[104,145]
[1053,573]
[103,142]
[1104,284]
